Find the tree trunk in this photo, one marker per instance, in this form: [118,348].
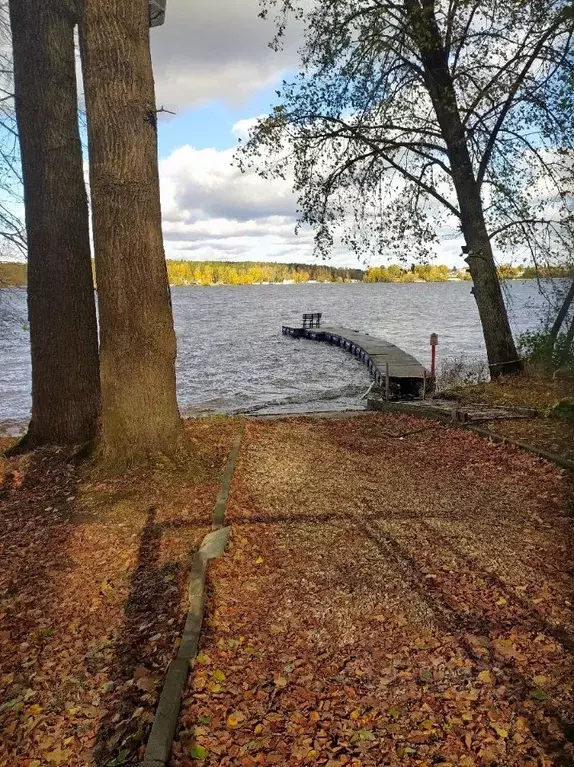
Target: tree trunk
[500,346]
[561,316]
[501,349]
[139,417]
[568,342]
[61,305]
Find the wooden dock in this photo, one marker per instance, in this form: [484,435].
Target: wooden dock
[399,374]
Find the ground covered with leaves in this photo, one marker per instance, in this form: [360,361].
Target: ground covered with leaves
[93,598]
[534,388]
[394,593]
[552,396]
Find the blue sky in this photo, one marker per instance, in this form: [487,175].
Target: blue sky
[210,125]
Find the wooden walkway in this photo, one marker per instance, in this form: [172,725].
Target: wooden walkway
[407,378]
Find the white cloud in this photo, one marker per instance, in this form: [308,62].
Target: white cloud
[212,210]
[216,50]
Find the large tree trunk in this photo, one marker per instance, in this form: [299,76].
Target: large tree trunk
[500,346]
[140,417]
[61,305]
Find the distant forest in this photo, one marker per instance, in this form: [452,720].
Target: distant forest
[13,274]
[252,272]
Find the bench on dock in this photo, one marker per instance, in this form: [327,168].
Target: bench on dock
[312,320]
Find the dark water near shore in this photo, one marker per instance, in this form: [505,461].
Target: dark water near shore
[232,356]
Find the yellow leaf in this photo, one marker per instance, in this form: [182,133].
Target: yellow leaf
[501,601]
[203,658]
[235,720]
[427,724]
[486,677]
[394,712]
[280,681]
[59,756]
[35,763]
[34,710]
[259,561]
[501,732]
[218,675]
[355,714]
[214,688]
[541,681]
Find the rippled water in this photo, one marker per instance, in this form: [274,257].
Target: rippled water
[232,356]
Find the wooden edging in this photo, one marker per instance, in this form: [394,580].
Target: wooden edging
[160,740]
[564,463]
[429,412]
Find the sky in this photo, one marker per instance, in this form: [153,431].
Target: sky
[213,67]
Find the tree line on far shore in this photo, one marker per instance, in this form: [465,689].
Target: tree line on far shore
[180,273]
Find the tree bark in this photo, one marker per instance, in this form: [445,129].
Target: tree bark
[561,316]
[500,346]
[61,304]
[568,342]
[140,417]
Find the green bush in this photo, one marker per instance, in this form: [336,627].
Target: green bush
[564,409]
[537,348]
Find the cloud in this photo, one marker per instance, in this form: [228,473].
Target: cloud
[212,210]
[216,50]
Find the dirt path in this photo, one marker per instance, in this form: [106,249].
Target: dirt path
[395,593]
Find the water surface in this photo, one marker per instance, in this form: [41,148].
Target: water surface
[233,358]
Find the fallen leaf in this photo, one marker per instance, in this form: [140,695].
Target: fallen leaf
[58,756]
[235,720]
[539,694]
[198,752]
[204,719]
[486,677]
[361,735]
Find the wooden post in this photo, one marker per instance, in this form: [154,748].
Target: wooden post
[387,383]
[433,345]
[425,382]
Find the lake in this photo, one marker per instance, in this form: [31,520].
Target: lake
[232,357]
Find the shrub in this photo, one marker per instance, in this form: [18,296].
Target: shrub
[538,349]
[461,371]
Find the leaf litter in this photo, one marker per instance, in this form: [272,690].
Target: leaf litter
[386,602]
[93,598]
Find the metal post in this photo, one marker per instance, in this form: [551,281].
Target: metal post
[387,383]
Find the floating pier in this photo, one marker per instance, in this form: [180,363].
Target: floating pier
[397,373]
